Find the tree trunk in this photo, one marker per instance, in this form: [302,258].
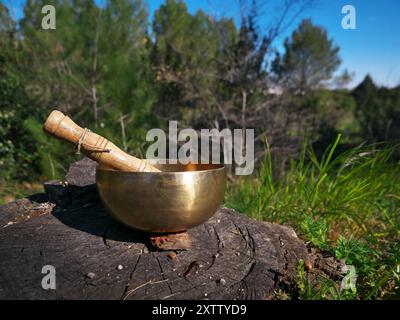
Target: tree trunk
[95,257]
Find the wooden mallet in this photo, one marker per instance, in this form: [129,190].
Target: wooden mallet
[93,145]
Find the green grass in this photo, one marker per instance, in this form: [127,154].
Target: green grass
[11,191]
[348,204]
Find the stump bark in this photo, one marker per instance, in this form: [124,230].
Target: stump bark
[95,257]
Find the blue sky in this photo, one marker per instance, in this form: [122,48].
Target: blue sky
[374,47]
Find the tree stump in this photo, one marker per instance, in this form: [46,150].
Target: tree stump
[95,257]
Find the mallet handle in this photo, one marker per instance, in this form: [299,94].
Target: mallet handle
[93,145]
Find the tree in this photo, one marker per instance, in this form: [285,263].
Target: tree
[310,59]
[95,66]
[186,53]
[18,155]
[378,111]
[125,70]
[243,74]
[211,74]
[342,80]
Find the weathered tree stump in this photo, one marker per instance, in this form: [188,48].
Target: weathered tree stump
[95,257]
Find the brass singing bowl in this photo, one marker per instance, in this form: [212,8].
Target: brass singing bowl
[176,199]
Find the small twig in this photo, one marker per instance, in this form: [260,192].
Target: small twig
[169,296]
[128,293]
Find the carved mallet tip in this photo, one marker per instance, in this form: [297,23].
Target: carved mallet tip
[53,120]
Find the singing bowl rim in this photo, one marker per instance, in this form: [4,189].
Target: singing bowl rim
[212,167]
[151,217]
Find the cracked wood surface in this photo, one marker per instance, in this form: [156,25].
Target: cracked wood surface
[232,256]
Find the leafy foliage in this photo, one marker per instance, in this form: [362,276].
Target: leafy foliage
[378,111]
[17,151]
